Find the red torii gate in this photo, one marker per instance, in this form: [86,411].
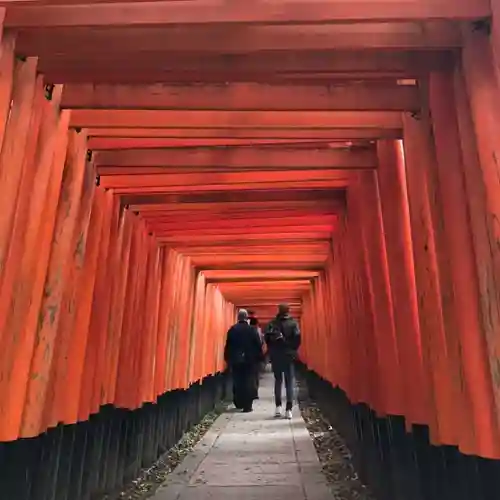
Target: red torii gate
[164,162]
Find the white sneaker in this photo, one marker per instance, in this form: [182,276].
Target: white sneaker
[277,413]
[288,414]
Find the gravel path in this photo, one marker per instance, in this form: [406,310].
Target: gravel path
[332,451]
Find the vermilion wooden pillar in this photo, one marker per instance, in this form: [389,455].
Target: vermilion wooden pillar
[478,396]
[340,294]
[149,348]
[326,320]
[129,315]
[30,239]
[398,243]
[187,325]
[375,257]
[484,247]
[122,264]
[78,342]
[346,265]
[335,337]
[483,92]
[198,327]
[438,368]
[39,390]
[441,217]
[67,319]
[15,141]
[101,307]
[359,315]
[480,144]
[85,371]
[364,377]
[164,312]
[172,320]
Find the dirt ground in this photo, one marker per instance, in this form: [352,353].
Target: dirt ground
[152,478]
[332,451]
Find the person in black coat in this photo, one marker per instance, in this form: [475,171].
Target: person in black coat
[283,340]
[243,353]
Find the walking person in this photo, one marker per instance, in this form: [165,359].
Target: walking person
[243,353]
[282,337]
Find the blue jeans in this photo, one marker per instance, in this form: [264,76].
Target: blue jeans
[283,369]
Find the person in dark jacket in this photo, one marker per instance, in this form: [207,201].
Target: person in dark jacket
[282,337]
[242,353]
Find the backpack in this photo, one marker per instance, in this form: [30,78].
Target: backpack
[276,333]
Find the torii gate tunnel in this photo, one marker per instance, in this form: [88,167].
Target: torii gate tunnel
[163,163]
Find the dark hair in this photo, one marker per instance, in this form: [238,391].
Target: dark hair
[254,321]
[283,309]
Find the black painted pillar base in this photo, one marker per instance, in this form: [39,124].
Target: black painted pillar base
[397,465]
[86,460]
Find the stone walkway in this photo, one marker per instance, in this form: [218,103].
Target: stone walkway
[251,456]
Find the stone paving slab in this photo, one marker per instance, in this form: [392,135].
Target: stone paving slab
[251,456]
